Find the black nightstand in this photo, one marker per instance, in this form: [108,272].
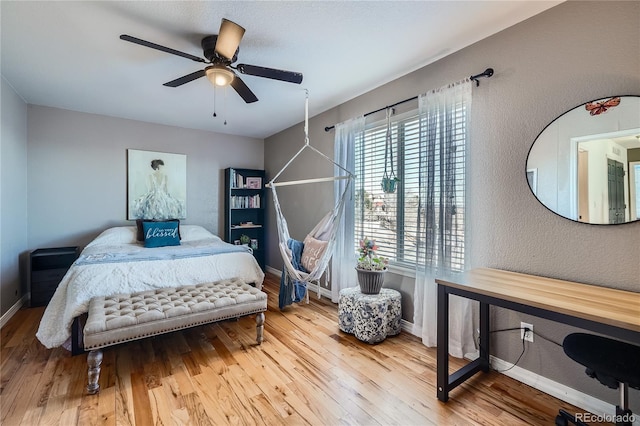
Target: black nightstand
[47,267]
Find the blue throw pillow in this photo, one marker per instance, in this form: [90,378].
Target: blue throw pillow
[140,231]
[160,234]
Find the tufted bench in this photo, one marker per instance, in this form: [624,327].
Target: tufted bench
[126,317]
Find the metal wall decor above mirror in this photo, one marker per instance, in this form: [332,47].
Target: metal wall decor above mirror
[585,165]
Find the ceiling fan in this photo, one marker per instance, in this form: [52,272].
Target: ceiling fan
[221,51]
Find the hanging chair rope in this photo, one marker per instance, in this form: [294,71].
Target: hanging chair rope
[325,230]
[306,145]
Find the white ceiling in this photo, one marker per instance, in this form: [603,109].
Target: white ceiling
[69,55]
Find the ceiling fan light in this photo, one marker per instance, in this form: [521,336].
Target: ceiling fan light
[219,76]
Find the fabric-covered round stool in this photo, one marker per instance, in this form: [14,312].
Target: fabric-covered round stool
[370,317]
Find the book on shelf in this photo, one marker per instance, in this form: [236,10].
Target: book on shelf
[236,179]
[245,201]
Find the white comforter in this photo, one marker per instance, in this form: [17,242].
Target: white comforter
[84,281]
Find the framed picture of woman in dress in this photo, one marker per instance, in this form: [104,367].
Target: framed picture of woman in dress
[156,185]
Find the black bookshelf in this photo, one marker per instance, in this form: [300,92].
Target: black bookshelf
[245,199]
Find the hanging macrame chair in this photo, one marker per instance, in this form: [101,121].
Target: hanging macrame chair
[325,230]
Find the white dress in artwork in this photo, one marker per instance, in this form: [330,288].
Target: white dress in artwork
[157,203]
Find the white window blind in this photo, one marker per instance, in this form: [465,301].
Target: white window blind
[392,218]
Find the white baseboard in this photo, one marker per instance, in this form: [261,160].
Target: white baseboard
[12,310]
[273,270]
[407,326]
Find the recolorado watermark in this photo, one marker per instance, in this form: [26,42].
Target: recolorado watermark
[600,418]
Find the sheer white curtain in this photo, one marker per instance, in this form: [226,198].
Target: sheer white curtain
[343,263]
[441,244]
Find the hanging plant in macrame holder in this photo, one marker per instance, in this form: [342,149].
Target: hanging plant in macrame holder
[389,179]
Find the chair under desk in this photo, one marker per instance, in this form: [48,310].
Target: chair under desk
[611,312]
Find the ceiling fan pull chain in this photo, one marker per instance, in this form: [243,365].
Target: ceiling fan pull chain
[214,102]
[225,103]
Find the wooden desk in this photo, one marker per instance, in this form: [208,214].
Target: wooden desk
[608,311]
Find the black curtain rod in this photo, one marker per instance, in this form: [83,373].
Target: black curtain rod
[487,73]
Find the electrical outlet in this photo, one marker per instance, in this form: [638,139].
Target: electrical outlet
[526,335]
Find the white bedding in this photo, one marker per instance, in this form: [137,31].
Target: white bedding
[85,281]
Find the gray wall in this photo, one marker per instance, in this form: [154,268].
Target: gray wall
[13,196]
[544,66]
[77,172]
[64,178]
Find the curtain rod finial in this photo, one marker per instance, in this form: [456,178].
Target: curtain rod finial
[487,73]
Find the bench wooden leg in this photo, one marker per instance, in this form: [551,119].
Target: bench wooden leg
[259,326]
[94,360]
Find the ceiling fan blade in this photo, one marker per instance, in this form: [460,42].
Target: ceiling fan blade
[228,38]
[161,48]
[242,89]
[288,76]
[185,79]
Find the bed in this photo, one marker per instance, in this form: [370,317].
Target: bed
[115,262]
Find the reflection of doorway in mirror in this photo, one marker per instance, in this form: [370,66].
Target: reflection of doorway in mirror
[634,189]
[583,186]
[532,179]
[615,184]
[602,188]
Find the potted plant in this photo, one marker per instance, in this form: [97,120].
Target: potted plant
[244,239]
[371,268]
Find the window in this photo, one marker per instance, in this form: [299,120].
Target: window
[393,219]
[389,218]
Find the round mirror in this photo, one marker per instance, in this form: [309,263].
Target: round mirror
[585,165]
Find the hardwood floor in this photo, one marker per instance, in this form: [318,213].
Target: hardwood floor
[306,372]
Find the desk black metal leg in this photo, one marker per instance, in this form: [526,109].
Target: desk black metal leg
[443,344]
[484,336]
